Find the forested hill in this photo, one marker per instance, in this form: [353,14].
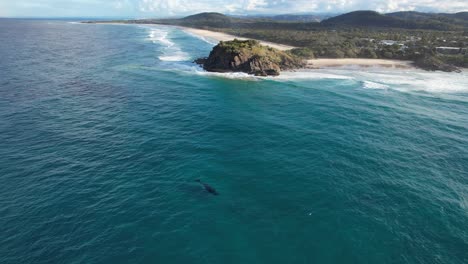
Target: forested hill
[368,19]
[462,17]
[405,20]
[457,19]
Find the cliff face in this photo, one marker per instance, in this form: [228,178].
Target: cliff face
[431,63]
[249,57]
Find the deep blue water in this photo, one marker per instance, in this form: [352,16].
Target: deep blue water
[105,128]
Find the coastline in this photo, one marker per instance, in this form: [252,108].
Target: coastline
[212,35]
[219,36]
[311,64]
[331,63]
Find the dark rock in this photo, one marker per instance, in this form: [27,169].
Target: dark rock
[432,63]
[200,61]
[249,57]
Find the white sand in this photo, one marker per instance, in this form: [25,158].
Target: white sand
[317,63]
[219,36]
[324,63]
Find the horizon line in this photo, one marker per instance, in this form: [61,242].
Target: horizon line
[227,14]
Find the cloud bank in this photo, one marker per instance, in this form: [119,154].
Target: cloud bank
[161,8]
[291,6]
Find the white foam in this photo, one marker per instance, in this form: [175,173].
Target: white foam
[374,85]
[160,36]
[405,80]
[229,75]
[418,80]
[180,56]
[285,76]
[171,51]
[207,40]
[401,80]
[311,74]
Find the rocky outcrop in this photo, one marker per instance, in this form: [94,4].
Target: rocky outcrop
[250,57]
[432,63]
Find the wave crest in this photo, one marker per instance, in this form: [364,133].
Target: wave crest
[171,52]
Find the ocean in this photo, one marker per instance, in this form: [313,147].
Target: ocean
[104,130]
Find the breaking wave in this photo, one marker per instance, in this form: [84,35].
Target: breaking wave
[396,79]
[374,85]
[170,50]
[160,36]
[415,80]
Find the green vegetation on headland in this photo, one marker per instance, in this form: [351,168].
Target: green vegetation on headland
[433,41]
[250,57]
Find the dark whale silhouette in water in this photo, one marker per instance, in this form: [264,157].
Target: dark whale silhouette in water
[208,188]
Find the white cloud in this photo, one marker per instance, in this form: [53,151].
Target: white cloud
[159,8]
[171,7]
[256,4]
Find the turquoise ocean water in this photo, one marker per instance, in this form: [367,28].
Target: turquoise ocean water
[105,128]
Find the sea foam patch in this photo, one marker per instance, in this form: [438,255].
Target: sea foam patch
[160,36]
[397,79]
[310,75]
[171,52]
[175,56]
[418,80]
[374,85]
[229,75]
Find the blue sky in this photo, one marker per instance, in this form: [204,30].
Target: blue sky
[164,8]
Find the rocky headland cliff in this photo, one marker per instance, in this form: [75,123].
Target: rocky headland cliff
[433,63]
[251,57]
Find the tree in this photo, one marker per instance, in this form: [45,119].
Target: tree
[368,53]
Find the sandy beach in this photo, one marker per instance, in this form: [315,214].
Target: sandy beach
[324,63]
[316,63]
[219,36]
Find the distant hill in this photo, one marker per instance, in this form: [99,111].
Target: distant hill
[217,20]
[362,18]
[208,19]
[461,15]
[407,20]
[410,15]
[441,19]
[421,16]
[295,17]
[365,19]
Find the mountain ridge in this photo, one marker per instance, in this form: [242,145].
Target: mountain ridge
[360,18]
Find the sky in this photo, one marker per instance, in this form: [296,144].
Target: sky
[168,8]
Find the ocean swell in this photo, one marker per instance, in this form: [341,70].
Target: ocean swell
[171,52]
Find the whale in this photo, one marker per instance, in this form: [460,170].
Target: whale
[208,188]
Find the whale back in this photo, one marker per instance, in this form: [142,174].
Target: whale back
[208,188]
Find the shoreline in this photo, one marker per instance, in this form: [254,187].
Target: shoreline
[220,36]
[365,63]
[211,35]
[311,64]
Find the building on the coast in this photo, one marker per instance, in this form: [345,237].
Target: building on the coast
[451,50]
[388,42]
[392,43]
